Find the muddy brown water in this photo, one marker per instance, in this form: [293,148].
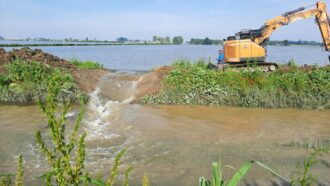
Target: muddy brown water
[173,145]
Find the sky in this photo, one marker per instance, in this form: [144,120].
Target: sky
[141,19]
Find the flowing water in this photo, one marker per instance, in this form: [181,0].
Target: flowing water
[174,145]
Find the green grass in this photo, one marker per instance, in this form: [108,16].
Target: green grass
[218,179]
[323,143]
[195,84]
[86,64]
[26,82]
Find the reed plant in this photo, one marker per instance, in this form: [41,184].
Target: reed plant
[218,179]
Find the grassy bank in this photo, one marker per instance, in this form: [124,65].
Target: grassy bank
[86,64]
[26,82]
[291,87]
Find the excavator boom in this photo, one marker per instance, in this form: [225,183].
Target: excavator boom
[322,20]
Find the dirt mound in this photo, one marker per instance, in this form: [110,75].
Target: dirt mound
[86,79]
[151,83]
[29,55]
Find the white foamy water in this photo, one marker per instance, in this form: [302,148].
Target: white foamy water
[98,115]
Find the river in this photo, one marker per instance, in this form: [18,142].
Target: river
[147,57]
[173,145]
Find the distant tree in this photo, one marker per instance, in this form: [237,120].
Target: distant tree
[178,40]
[207,41]
[167,39]
[86,39]
[196,41]
[121,39]
[217,42]
[299,42]
[161,40]
[154,38]
[286,43]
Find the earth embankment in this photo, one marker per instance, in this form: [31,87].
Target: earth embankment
[86,79]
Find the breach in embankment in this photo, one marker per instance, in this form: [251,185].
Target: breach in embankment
[25,75]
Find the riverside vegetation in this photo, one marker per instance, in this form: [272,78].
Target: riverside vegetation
[25,74]
[25,82]
[86,64]
[289,87]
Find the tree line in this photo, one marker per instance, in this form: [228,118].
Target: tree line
[289,42]
[205,41]
[177,40]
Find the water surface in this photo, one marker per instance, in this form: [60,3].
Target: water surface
[142,57]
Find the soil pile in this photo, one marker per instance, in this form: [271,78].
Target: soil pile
[86,79]
[151,83]
[29,55]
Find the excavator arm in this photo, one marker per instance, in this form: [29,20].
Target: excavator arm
[322,20]
[273,24]
[320,14]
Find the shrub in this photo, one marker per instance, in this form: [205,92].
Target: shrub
[26,81]
[19,70]
[191,83]
[4,80]
[86,64]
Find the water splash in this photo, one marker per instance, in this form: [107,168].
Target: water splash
[97,118]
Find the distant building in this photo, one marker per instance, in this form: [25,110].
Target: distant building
[2,38]
[121,39]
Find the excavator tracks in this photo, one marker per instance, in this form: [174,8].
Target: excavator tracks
[262,66]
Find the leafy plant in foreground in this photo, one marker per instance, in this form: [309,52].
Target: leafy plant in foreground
[6,179]
[218,180]
[66,168]
[145,181]
[305,177]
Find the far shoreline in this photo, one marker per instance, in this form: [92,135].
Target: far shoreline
[125,44]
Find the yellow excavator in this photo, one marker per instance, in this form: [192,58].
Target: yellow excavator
[249,45]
